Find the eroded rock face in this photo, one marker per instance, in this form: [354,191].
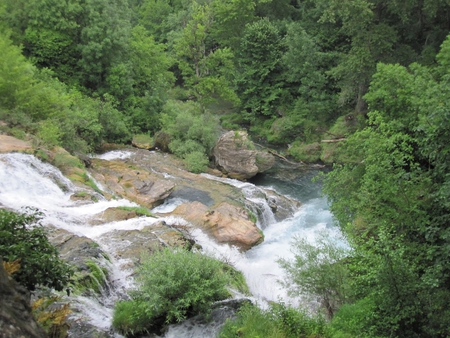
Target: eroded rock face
[131,244]
[235,155]
[15,313]
[132,182]
[227,223]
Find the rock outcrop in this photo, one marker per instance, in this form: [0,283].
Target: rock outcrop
[16,320]
[226,223]
[9,144]
[235,155]
[132,182]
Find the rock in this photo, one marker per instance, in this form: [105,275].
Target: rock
[75,250]
[113,215]
[227,223]
[143,142]
[130,244]
[133,182]
[236,156]
[10,144]
[16,320]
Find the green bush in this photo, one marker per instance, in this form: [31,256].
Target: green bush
[279,321]
[23,238]
[173,284]
[185,121]
[182,148]
[353,320]
[132,317]
[196,162]
[49,133]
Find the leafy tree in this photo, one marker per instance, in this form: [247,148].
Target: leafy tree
[391,201]
[23,239]
[206,69]
[259,83]
[105,30]
[318,270]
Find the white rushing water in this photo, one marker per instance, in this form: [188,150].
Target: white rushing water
[26,181]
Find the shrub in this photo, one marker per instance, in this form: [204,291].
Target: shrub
[184,121]
[132,317]
[174,284]
[23,238]
[49,133]
[196,162]
[279,321]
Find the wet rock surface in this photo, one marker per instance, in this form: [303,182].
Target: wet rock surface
[226,223]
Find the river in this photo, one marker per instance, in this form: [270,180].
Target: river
[25,181]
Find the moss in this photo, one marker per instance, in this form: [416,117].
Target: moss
[96,279]
[237,279]
[252,216]
[141,211]
[42,155]
[304,152]
[64,160]
[143,141]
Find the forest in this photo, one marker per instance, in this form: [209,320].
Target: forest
[371,77]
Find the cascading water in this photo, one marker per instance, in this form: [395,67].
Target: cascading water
[26,181]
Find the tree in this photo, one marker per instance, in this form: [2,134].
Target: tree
[391,201]
[23,239]
[207,70]
[318,270]
[259,80]
[105,30]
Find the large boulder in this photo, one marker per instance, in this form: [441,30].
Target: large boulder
[227,223]
[236,156]
[133,182]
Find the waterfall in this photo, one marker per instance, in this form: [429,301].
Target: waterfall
[26,181]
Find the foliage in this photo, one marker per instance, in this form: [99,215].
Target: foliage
[173,284]
[259,83]
[318,270]
[206,69]
[133,317]
[23,238]
[52,316]
[390,201]
[279,321]
[192,134]
[196,162]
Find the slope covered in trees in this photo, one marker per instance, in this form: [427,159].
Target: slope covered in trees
[78,73]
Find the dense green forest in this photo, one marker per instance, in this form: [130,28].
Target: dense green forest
[79,73]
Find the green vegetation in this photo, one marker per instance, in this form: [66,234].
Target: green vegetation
[279,321]
[369,77]
[23,239]
[391,201]
[141,211]
[318,270]
[173,285]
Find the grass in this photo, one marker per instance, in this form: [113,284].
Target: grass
[141,211]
